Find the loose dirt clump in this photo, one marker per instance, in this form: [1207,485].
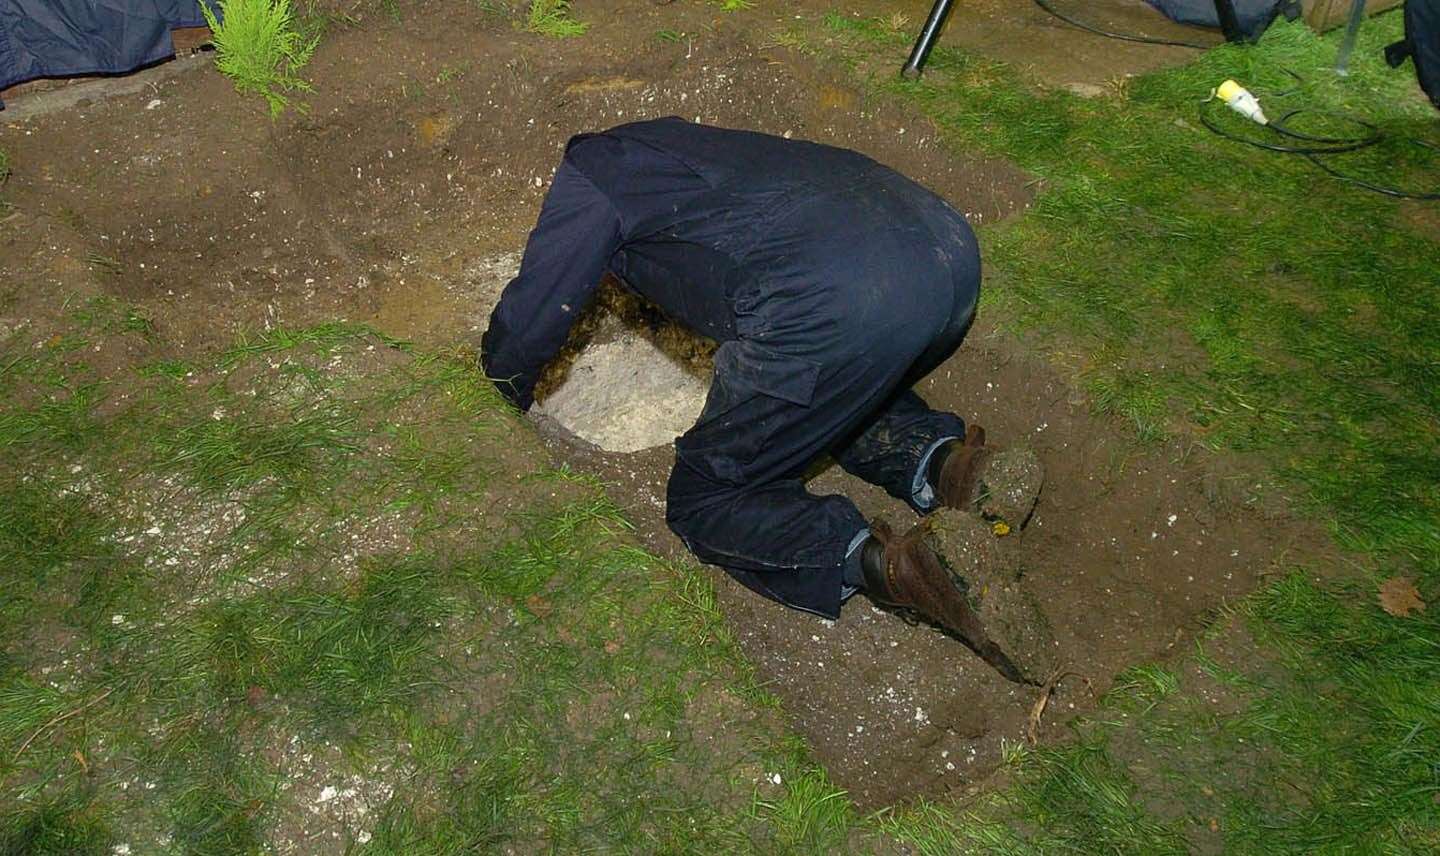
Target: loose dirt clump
[1010,483]
[967,546]
[992,582]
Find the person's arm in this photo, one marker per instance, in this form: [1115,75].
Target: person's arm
[578,232]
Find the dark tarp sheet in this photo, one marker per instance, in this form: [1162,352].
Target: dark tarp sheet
[1254,15]
[58,38]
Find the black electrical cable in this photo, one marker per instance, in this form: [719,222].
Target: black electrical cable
[1397,192]
[1124,37]
[1319,146]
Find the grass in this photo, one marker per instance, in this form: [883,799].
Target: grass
[313,585]
[552,18]
[259,47]
[1245,302]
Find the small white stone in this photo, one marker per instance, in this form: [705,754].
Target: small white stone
[775,777]
[328,793]
[117,618]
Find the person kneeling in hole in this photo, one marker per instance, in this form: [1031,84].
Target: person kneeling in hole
[832,283]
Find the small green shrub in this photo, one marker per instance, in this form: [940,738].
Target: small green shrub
[259,48]
[552,18]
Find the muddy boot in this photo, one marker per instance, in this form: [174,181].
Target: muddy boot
[1000,485]
[911,576]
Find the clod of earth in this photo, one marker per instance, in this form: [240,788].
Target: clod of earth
[993,583]
[1010,482]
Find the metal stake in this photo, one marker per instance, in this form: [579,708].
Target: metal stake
[921,52]
[1352,30]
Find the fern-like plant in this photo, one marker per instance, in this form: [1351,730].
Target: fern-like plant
[259,49]
[552,18]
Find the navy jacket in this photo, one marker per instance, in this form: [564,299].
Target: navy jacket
[678,211]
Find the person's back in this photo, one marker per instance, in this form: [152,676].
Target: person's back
[734,159]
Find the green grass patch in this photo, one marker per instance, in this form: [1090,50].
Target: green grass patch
[552,18]
[316,571]
[259,46]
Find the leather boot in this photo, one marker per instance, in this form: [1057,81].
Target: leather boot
[914,577]
[998,484]
[956,486]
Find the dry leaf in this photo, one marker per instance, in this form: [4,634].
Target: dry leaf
[1399,597]
[538,606]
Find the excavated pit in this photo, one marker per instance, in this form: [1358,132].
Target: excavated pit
[628,379]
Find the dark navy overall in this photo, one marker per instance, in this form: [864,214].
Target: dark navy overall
[832,283]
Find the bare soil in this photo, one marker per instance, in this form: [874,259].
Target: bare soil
[422,160]
[1130,551]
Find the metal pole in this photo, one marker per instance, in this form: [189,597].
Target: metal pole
[1352,29]
[1229,21]
[921,52]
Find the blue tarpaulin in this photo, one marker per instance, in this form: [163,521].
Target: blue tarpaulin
[1253,15]
[59,38]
